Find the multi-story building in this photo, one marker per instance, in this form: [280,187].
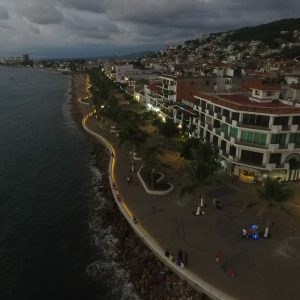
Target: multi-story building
[256,133]
[256,136]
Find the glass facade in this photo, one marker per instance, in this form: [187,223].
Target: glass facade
[233,132]
[224,128]
[278,138]
[251,137]
[256,120]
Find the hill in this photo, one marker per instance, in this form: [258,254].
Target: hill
[272,34]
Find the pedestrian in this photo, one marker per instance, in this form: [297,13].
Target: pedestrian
[185,258]
[167,253]
[244,233]
[179,254]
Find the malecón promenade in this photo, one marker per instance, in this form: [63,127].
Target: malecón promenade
[263,269]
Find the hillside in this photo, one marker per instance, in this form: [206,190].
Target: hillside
[272,34]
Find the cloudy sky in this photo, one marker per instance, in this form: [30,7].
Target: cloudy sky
[63,28]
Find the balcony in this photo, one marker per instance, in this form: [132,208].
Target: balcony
[248,126]
[273,147]
[276,128]
[274,166]
[283,147]
[260,146]
[234,123]
[294,128]
[172,98]
[291,146]
[270,167]
[232,140]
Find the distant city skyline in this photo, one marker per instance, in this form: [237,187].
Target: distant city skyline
[75,28]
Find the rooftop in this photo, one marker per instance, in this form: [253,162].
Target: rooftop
[242,103]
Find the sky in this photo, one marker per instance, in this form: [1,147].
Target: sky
[82,28]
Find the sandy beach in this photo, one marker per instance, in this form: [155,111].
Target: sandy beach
[150,278]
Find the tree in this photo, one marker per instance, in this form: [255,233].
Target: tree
[134,137]
[168,129]
[273,195]
[151,162]
[188,146]
[200,170]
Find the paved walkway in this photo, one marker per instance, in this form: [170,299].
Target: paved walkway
[265,269]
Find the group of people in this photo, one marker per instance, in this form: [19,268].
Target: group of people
[181,258]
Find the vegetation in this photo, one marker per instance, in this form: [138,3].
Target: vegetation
[200,170]
[151,162]
[188,146]
[272,195]
[269,34]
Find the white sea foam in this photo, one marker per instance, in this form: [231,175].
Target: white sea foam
[108,269]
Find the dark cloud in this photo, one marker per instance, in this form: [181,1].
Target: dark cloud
[40,12]
[4,15]
[95,6]
[95,29]
[132,23]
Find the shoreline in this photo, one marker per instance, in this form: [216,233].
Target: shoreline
[150,277]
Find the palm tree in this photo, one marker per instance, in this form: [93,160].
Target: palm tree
[273,195]
[200,170]
[151,162]
[134,137]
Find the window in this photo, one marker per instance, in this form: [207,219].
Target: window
[202,119]
[257,92]
[250,137]
[270,94]
[235,116]
[296,120]
[256,120]
[203,104]
[224,128]
[215,140]
[217,109]
[232,151]
[275,158]
[226,113]
[207,137]
[233,132]
[284,121]
[295,138]
[278,139]
[223,146]
[251,157]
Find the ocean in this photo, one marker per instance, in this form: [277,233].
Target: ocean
[49,229]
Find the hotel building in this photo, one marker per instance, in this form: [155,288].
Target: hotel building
[257,135]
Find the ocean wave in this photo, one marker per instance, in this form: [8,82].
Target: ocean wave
[106,268]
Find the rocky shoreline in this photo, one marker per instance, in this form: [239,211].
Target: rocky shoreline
[150,278]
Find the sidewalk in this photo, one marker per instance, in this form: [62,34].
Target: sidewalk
[167,222]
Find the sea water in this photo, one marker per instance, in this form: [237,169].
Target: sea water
[49,233]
